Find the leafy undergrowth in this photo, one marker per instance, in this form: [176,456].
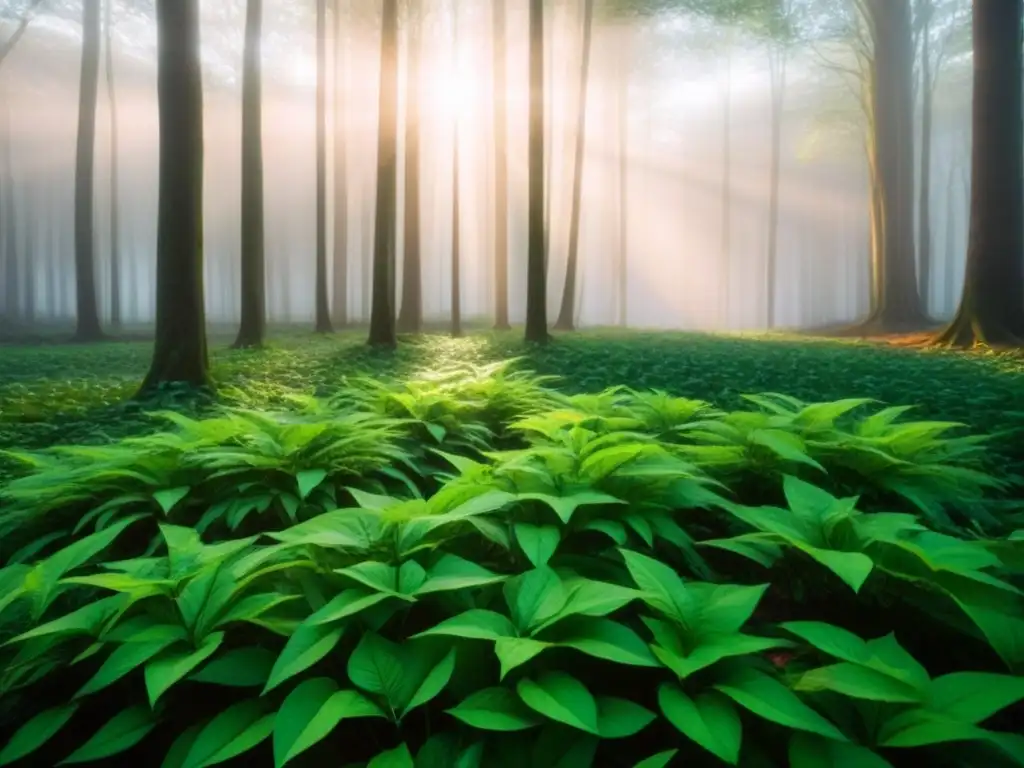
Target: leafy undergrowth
[469,568]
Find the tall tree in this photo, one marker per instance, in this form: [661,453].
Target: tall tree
[410,317]
[180,352]
[382,312]
[566,314]
[87,307]
[8,217]
[456,274]
[500,90]
[323,307]
[8,45]
[115,203]
[253,326]
[339,292]
[992,303]
[924,10]
[622,110]
[536,282]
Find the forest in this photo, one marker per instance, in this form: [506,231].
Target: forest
[504,383]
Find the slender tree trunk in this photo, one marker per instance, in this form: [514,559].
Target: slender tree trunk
[30,252]
[323,307]
[456,239]
[8,215]
[9,44]
[623,132]
[382,314]
[410,318]
[950,244]
[777,63]
[339,292]
[87,310]
[501,322]
[536,282]
[180,352]
[726,233]
[992,303]
[253,326]
[566,315]
[115,226]
[924,237]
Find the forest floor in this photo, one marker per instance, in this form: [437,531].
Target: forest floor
[65,393]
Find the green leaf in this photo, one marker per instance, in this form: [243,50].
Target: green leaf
[852,567]
[832,640]
[452,573]
[770,699]
[376,666]
[565,506]
[783,444]
[495,709]
[122,660]
[710,720]
[239,667]
[710,650]
[304,648]
[474,624]
[659,760]
[726,607]
[807,750]
[620,718]
[36,732]
[513,652]
[606,639]
[345,529]
[347,603]
[433,683]
[231,733]
[920,728]
[165,671]
[858,682]
[308,480]
[534,596]
[538,542]
[972,697]
[310,712]
[399,757]
[178,752]
[662,587]
[561,698]
[585,597]
[122,732]
[169,497]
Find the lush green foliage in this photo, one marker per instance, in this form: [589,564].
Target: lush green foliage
[470,569]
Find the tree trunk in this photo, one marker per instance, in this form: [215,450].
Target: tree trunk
[924,236]
[992,303]
[950,244]
[8,215]
[456,240]
[623,261]
[29,252]
[323,307]
[87,309]
[566,315]
[897,305]
[115,226]
[536,282]
[501,322]
[382,313]
[253,326]
[725,240]
[9,44]
[410,317]
[180,353]
[777,64]
[339,287]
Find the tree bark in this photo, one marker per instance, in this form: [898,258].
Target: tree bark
[536,282]
[339,287]
[725,240]
[115,225]
[323,307]
[501,321]
[991,308]
[253,326]
[87,307]
[180,352]
[410,317]
[623,135]
[777,65]
[382,313]
[566,314]
[8,216]
[924,236]
[456,240]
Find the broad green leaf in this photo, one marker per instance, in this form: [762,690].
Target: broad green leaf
[343,529]
[86,620]
[252,607]
[399,757]
[770,699]
[565,506]
[858,682]
[163,672]
[310,712]
[538,542]
[433,683]
[562,698]
[36,732]
[169,497]
[610,528]
[178,752]
[920,728]
[710,720]
[347,603]
[605,639]
[451,573]
[620,718]
[474,624]
[662,587]
[888,656]
[754,546]
[973,697]
[376,666]
[830,639]
[659,760]
[122,660]
[380,577]
[231,733]
[585,597]
[239,667]
[711,650]
[726,607]
[307,480]
[495,709]
[513,652]
[122,732]
[783,444]
[852,567]
[807,750]
[534,596]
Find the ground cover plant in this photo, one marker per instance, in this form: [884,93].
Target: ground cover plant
[470,564]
